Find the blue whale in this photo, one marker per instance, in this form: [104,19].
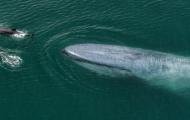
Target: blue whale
[156,67]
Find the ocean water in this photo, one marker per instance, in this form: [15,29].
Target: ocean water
[38,83]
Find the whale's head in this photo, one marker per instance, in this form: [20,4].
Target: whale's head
[103,56]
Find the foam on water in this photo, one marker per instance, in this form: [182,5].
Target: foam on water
[20,34]
[10,60]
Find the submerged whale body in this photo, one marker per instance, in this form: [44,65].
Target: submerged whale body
[156,67]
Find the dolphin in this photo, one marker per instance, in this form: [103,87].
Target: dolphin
[153,66]
[4,31]
[14,32]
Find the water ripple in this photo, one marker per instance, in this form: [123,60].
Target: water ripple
[64,72]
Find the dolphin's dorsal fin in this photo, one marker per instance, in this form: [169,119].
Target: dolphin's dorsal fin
[13,29]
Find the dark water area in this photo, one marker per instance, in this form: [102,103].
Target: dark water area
[46,86]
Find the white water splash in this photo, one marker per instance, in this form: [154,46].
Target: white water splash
[20,34]
[10,60]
